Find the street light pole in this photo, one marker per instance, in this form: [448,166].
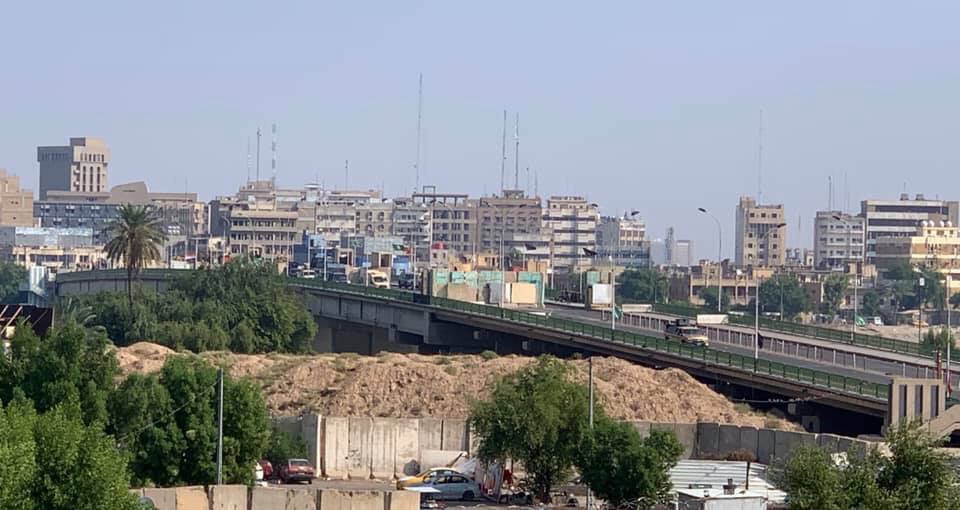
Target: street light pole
[719,259]
[756,299]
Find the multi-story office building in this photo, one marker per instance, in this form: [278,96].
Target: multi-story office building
[16,204]
[623,239]
[260,231]
[182,214]
[452,220]
[838,239]
[899,218]
[512,217]
[80,166]
[754,246]
[934,245]
[573,221]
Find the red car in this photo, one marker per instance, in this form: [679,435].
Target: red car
[296,470]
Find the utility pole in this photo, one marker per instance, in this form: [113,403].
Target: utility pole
[258,154]
[590,382]
[503,155]
[220,428]
[516,153]
[416,165]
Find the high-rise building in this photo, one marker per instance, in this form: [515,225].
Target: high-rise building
[574,224]
[624,240]
[899,218]
[838,239]
[934,245]
[452,220]
[682,253]
[754,246]
[80,166]
[16,205]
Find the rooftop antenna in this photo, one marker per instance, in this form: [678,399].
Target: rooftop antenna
[536,183]
[416,166]
[258,154]
[760,160]
[346,174]
[273,154]
[829,193]
[503,154]
[516,153]
[527,189]
[249,160]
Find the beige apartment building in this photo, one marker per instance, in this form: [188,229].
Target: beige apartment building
[452,219]
[759,242]
[512,216]
[573,222]
[16,205]
[935,245]
[79,166]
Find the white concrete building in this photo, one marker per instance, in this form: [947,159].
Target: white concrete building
[574,222]
[838,239]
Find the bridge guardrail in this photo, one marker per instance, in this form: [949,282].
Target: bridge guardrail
[817,332]
[705,354]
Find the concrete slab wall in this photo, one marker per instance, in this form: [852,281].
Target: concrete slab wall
[163,499]
[383,448]
[192,498]
[311,432]
[708,440]
[336,447]
[228,497]
[360,453]
[728,440]
[406,460]
[431,433]
[454,435]
[298,500]
[402,500]
[353,500]
[268,498]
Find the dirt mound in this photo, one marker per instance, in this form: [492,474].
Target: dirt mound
[144,357]
[413,385]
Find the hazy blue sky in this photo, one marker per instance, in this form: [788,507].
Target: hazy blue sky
[638,105]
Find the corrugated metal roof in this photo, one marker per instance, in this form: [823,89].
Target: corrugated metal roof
[714,474]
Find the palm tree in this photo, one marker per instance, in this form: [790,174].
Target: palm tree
[135,239]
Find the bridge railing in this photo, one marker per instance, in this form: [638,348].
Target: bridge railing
[808,330]
[699,353]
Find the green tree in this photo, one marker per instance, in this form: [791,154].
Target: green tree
[938,339]
[709,297]
[52,461]
[870,303]
[933,292]
[180,430]
[69,364]
[955,300]
[900,271]
[786,289]
[536,416]
[915,475]
[11,276]
[642,286]
[283,446]
[135,239]
[834,287]
[621,467]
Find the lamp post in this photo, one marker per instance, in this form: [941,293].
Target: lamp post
[856,275]
[756,300]
[719,259]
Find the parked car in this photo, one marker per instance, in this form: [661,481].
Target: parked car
[296,470]
[452,486]
[420,478]
[267,468]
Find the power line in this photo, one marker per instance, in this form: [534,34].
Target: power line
[135,433]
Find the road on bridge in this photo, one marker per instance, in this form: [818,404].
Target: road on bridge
[594,317]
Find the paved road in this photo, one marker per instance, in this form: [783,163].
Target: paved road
[593,316]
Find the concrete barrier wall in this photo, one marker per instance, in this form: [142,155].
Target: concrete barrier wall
[386,448]
[239,497]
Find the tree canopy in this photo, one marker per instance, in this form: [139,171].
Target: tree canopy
[915,475]
[642,286]
[621,467]
[783,287]
[135,239]
[834,288]
[11,276]
[168,424]
[242,306]
[539,417]
[709,296]
[53,461]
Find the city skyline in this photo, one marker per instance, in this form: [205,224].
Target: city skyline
[656,109]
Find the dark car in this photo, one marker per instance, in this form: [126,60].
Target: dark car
[296,470]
